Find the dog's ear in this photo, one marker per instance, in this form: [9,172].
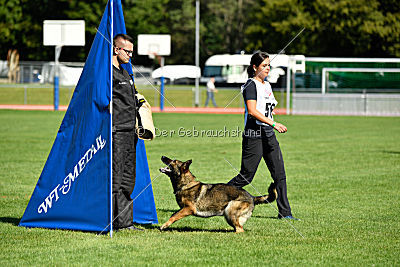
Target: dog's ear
[185,165]
[166,160]
[188,163]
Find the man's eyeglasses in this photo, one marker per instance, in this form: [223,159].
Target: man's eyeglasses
[129,52]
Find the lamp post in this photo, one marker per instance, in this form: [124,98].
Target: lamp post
[197,89]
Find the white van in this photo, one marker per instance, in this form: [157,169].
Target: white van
[232,69]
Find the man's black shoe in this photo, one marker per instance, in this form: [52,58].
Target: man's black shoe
[132,227]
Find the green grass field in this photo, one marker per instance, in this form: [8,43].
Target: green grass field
[343,176]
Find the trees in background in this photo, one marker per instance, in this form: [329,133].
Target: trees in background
[343,28]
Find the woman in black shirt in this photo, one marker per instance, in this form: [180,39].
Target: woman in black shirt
[259,140]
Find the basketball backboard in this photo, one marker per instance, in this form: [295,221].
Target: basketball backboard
[59,33]
[64,32]
[154,44]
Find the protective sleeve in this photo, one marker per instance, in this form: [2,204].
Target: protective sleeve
[249,91]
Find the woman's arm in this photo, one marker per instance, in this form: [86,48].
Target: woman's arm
[251,109]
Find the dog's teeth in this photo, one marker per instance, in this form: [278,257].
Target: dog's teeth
[165,169]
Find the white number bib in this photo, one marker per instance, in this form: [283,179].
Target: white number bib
[266,101]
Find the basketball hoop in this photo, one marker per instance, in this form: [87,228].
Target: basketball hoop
[155,46]
[152,55]
[61,33]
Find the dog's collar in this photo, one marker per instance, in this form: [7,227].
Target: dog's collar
[188,186]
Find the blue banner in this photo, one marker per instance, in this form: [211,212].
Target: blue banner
[74,189]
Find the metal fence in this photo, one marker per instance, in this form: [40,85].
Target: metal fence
[40,71]
[346,104]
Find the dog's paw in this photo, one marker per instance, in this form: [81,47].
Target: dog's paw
[239,230]
[163,227]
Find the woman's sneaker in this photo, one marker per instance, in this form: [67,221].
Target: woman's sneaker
[289,217]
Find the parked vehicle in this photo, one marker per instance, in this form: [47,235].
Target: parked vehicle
[177,74]
[232,69]
[142,75]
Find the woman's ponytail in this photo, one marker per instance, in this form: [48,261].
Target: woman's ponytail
[250,71]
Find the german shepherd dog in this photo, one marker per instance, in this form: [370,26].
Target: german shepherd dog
[206,200]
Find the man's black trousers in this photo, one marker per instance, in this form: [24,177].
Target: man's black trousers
[253,149]
[124,174]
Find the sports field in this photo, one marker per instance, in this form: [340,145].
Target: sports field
[343,182]
[175,95]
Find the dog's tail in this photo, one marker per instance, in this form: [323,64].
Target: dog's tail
[272,195]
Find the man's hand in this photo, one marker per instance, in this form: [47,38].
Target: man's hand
[109,107]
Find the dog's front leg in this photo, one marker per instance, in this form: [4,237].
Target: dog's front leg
[185,211]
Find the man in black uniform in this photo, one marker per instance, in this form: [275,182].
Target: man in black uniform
[124,136]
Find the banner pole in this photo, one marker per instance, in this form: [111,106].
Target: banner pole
[111,125]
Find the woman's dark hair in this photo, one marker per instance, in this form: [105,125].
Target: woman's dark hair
[256,59]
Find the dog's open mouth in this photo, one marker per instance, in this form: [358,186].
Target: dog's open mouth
[165,170]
